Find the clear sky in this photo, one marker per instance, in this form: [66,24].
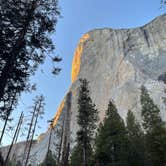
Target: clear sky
[78,17]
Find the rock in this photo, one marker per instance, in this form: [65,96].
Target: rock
[116,63]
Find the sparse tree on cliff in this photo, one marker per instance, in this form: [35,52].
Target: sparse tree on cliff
[111,141]
[155,130]
[86,119]
[136,141]
[24,42]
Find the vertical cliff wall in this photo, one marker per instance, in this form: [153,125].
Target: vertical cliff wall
[117,63]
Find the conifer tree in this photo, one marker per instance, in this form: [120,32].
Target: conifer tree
[76,156]
[163,2]
[111,141]
[136,141]
[37,112]
[24,43]
[155,130]
[86,119]
[14,139]
[50,160]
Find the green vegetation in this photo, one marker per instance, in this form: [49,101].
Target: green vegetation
[25,43]
[155,131]
[111,141]
[50,160]
[117,144]
[136,141]
[86,119]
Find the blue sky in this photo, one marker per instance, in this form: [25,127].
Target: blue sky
[78,17]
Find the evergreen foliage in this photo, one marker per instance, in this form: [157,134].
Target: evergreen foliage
[163,2]
[111,141]
[50,160]
[136,141]
[150,111]
[76,156]
[24,42]
[155,130]
[86,119]
[37,112]
[18,163]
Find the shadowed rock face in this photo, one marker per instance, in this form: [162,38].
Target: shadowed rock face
[116,63]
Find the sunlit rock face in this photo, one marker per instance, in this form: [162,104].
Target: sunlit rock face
[58,113]
[77,57]
[116,63]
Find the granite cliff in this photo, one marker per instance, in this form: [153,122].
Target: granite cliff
[116,63]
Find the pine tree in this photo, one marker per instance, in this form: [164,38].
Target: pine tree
[136,141]
[111,141]
[7,109]
[14,139]
[86,119]
[24,43]
[155,130]
[50,160]
[76,156]
[163,2]
[37,112]
[150,111]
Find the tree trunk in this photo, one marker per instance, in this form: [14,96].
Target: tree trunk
[66,135]
[85,163]
[29,132]
[15,134]
[61,141]
[49,142]
[7,118]
[4,127]
[33,132]
[66,163]
[7,70]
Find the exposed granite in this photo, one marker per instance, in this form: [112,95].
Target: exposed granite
[117,63]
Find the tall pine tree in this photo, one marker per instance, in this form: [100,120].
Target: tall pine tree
[136,141]
[24,43]
[155,130]
[50,160]
[111,141]
[86,119]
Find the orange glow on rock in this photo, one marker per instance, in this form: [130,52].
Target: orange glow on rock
[58,113]
[77,58]
[74,73]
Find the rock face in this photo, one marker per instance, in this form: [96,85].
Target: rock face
[116,63]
